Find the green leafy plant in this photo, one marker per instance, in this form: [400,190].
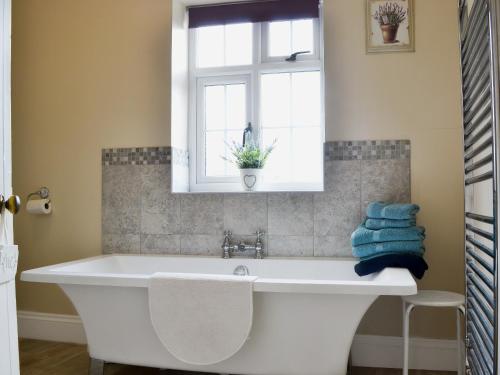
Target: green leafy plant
[249,156]
[390,14]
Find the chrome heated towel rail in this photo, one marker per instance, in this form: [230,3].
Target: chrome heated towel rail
[479,57]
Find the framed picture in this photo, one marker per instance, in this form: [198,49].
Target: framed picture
[390,26]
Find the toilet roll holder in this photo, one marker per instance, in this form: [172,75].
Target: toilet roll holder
[43,193]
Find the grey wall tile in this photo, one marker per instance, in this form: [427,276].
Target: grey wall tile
[121,244]
[337,210]
[343,178]
[290,214]
[245,213]
[156,176]
[202,214]
[167,222]
[384,180]
[332,246]
[160,244]
[291,246]
[121,203]
[334,216]
[121,186]
[207,245]
[161,210]
[121,221]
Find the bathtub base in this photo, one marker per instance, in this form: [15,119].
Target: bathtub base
[293,334]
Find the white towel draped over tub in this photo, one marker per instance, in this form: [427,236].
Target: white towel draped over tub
[201,319]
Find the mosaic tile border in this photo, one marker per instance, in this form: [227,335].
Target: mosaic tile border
[368,150]
[334,151]
[137,156]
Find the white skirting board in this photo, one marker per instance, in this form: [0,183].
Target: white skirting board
[51,327]
[387,352]
[367,350]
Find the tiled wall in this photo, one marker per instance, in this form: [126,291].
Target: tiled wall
[141,215]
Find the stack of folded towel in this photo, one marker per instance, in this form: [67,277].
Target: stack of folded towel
[389,237]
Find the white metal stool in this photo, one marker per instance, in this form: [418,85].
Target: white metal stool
[432,298]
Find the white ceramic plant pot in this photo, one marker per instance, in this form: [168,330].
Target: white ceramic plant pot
[250,179]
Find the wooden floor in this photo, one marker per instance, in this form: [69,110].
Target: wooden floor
[49,358]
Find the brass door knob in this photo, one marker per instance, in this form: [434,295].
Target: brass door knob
[13,204]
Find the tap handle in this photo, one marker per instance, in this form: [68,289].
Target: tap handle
[226,246]
[259,235]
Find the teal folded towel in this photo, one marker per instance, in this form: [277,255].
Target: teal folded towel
[386,223]
[363,235]
[413,247]
[392,211]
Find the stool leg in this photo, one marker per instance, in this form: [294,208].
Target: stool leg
[404,312]
[406,336]
[96,367]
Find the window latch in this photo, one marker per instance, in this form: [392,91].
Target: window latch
[293,56]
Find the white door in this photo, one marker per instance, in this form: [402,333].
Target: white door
[9,356]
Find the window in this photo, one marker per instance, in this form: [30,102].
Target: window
[246,73]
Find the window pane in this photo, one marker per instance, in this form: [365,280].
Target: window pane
[236,112]
[307,165]
[225,119]
[306,99]
[280,38]
[218,46]
[232,136]
[215,107]
[210,46]
[287,37]
[278,166]
[239,44]
[302,36]
[215,149]
[216,144]
[275,100]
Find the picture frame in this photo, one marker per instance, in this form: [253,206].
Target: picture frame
[390,26]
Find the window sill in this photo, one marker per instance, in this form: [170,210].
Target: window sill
[263,188]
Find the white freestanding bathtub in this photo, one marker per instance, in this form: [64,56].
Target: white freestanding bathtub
[305,311]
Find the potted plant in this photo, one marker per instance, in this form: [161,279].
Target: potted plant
[250,160]
[390,16]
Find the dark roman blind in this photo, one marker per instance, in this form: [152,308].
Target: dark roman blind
[252,11]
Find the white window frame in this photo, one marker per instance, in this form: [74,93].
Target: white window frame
[262,64]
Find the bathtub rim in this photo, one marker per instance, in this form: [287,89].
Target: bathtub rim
[390,281]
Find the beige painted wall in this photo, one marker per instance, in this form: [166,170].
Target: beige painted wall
[95,73]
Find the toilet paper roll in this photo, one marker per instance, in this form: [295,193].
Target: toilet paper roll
[39,206]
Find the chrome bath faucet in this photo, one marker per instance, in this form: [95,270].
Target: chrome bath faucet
[230,250]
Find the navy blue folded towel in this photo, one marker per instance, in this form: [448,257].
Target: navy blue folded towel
[392,211]
[414,263]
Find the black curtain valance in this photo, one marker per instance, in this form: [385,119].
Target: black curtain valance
[252,11]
